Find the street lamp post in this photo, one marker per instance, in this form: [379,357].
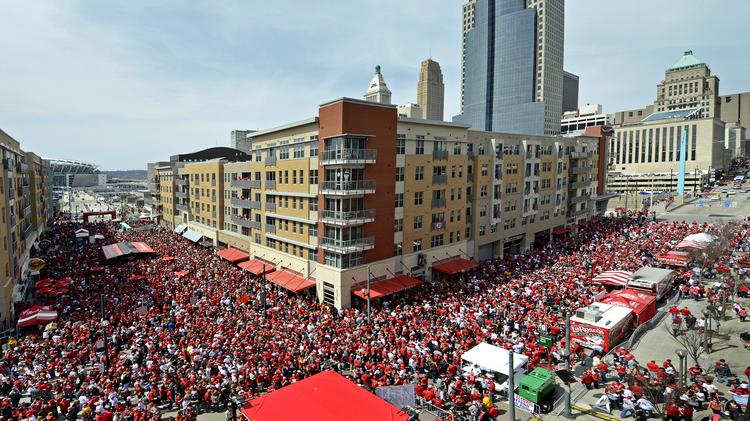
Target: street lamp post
[567,412]
[683,366]
[511,388]
[263,292]
[104,332]
[369,293]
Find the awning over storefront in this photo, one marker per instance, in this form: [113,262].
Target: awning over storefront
[255,266]
[560,230]
[616,278]
[386,287]
[290,280]
[123,249]
[192,235]
[675,258]
[180,228]
[36,315]
[232,255]
[452,267]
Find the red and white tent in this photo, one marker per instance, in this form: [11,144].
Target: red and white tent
[690,244]
[36,315]
[675,258]
[617,278]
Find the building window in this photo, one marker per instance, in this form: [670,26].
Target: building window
[299,150]
[416,245]
[399,200]
[420,145]
[314,146]
[284,152]
[693,141]
[418,198]
[400,144]
[398,225]
[313,176]
[436,240]
[419,173]
[399,173]
[418,222]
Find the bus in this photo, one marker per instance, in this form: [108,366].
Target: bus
[738,181]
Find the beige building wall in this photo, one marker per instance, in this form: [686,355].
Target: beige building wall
[170,214]
[431,91]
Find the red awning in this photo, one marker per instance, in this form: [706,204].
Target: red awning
[560,230]
[137,278]
[454,266]
[36,315]
[142,247]
[255,266]
[290,280]
[616,278]
[388,286]
[675,258]
[181,273]
[123,249]
[326,396]
[232,255]
[167,258]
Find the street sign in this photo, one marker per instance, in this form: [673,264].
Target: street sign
[546,341]
[523,403]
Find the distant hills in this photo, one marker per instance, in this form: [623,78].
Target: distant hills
[132,174]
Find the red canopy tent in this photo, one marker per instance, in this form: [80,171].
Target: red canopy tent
[181,273]
[232,255]
[255,266]
[290,280]
[615,278]
[97,269]
[642,304]
[124,249]
[386,287]
[675,258]
[454,266]
[137,278]
[326,396]
[36,315]
[167,258]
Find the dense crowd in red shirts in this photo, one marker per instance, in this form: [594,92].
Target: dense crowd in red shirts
[192,342]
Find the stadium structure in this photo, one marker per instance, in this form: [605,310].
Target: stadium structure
[68,173]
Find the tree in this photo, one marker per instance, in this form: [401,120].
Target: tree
[692,340]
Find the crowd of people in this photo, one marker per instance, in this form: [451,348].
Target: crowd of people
[185,331]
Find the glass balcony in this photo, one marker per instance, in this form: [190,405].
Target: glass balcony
[245,204]
[348,156]
[270,207]
[244,222]
[181,195]
[181,182]
[579,184]
[271,184]
[270,160]
[347,218]
[347,246]
[439,179]
[245,184]
[438,203]
[439,155]
[581,155]
[344,188]
[182,208]
[271,229]
[580,170]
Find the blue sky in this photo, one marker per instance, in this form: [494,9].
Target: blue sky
[121,83]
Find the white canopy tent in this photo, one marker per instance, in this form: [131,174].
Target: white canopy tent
[703,237]
[495,360]
[180,228]
[193,236]
[82,233]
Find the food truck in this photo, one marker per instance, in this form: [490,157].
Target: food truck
[655,281]
[600,324]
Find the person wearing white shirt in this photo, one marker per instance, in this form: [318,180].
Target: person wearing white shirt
[646,406]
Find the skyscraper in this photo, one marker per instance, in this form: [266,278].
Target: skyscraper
[431,90]
[512,65]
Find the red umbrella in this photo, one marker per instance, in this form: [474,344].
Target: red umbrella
[36,315]
[63,282]
[167,258]
[45,283]
[181,273]
[137,278]
[96,269]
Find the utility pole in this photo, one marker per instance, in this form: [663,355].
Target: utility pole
[369,276]
[567,412]
[627,179]
[511,388]
[104,332]
[263,293]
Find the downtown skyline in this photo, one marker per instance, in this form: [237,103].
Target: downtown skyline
[176,77]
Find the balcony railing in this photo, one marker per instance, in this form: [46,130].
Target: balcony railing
[580,170]
[25,190]
[270,160]
[441,155]
[181,182]
[244,222]
[271,184]
[438,203]
[245,184]
[348,187]
[577,199]
[270,207]
[181,194]
[579,184]
[581,155]
[271,228]
[245,204]
[348,156]
[439,179]
[27,211]
[347,246]
[183,208]
[347,218]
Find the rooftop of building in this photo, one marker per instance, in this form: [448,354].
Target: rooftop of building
[288,126]
[665,115]
[687,60]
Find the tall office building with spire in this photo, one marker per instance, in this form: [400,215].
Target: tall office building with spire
[512,65]
[431,90]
